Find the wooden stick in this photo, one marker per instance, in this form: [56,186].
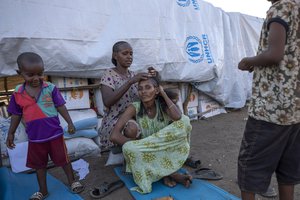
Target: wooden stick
[203,113]
[85,87]
[186,101]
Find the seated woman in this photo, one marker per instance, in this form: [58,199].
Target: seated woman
[118,88]
[163,144]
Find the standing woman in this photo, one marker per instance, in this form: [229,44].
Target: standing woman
[119,88]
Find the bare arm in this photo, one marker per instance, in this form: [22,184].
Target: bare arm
[116,136]
[273,55]
[110,96]
[65,114]
[14,122]
[173,111]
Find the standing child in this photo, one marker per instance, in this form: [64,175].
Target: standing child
[38,103]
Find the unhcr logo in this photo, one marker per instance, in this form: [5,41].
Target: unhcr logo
[198,49]
[207,51]
[183,3]
[194,49]
[186,3]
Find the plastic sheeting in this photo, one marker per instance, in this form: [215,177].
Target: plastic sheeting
[185,40]
[231,87]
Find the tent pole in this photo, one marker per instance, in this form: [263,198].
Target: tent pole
[0,157]
[6,88]
[186,101]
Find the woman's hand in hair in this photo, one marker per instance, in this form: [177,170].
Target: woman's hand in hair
[171,108]
[161,91]
[152,72]
[139,77]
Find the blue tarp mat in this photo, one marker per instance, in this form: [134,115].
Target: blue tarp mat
[199,189]
[21,186]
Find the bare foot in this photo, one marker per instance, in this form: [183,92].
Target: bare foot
[169,182]
[184,179]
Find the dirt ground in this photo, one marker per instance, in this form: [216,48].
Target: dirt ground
[215,141]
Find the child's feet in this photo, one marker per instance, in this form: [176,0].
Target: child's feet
[76,187]
[38,196]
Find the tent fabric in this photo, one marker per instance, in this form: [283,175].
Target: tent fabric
[185,40]
[199,189]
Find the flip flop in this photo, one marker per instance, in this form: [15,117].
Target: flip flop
[76,187]
[192,163]
[206,174]
[39,196]
[105,188]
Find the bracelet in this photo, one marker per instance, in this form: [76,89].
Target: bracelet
[171,106]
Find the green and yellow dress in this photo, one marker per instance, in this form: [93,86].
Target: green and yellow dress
[163,149]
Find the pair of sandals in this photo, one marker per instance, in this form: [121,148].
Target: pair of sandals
[202,173]
[76,187]
[105,189]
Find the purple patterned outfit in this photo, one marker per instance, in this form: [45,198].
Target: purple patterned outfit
[113,80]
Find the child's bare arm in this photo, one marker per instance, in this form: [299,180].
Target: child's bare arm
[14,122]
[65,114]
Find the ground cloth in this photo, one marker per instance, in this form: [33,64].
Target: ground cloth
[21,186]
[200,190]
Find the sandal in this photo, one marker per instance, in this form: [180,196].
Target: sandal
[206,174]
[192,163]
[105,189]
[76,187]
[38,195]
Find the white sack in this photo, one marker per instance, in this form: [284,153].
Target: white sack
[79,147]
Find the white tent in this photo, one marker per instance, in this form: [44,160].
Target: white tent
[185,40]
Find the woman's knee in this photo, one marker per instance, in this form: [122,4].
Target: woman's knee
[128,148]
